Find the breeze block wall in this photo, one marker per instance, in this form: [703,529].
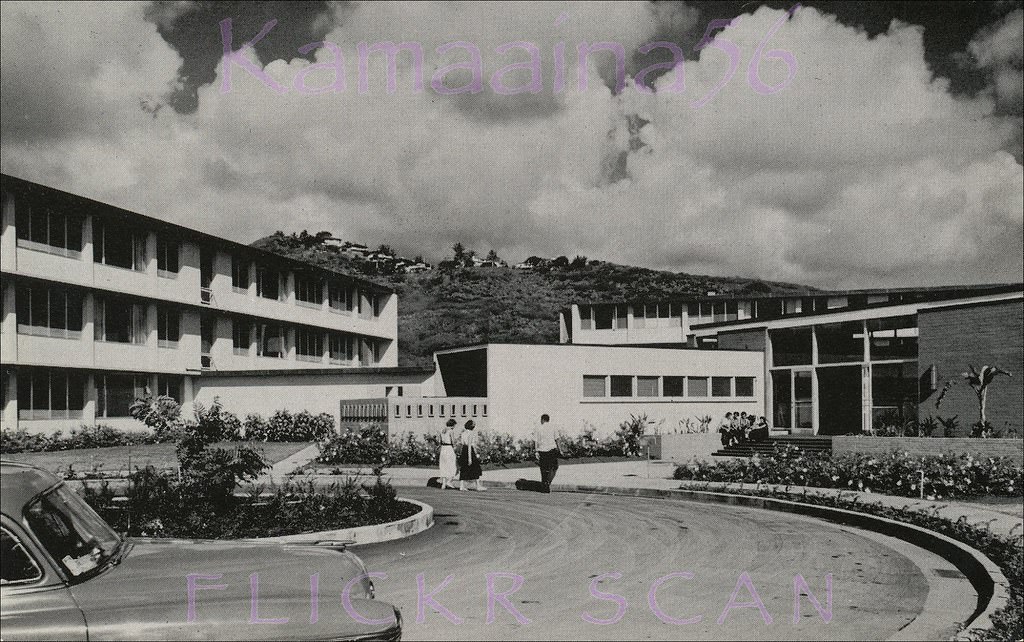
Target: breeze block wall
[953,338]
[930,446]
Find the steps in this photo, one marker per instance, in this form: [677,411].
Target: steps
[748,449]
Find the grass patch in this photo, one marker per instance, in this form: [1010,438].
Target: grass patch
[124,459]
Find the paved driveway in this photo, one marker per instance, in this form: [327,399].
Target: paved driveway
[559,543]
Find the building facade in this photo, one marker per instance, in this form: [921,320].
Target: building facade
[506,387]
[101,304]
[844,362]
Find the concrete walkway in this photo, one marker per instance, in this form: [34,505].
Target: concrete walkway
[278,472]
[657,475]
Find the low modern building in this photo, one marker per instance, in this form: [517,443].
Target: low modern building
[100,304]
[506,387]
[844,362]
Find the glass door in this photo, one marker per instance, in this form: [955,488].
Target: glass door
[803,401]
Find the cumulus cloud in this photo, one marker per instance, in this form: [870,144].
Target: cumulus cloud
[864,171]
[1000,49]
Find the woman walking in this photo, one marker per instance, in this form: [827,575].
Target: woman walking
[469,458]
[446,458]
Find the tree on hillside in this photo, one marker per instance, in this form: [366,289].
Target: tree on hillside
[561,262]
[385,250]
[493,256]
[578,263]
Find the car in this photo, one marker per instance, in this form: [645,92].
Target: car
[68,575]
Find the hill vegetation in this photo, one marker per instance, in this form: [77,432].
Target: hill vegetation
[460,304]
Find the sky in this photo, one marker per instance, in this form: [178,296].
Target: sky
[854,145]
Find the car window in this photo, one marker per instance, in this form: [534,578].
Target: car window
[18,566]
[71,532]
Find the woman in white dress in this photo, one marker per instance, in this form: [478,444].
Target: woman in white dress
[446,458]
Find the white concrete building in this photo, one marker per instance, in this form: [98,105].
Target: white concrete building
[506,387]
[100,304]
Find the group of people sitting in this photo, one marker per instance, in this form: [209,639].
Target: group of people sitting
[738,427]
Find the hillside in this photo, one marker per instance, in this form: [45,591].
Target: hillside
[455,306]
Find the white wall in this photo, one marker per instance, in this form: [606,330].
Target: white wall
[525,381]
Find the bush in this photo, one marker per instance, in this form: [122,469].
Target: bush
[629,434]
[159,506]
[99,436]
[366,446]
[897,473]
[284,426]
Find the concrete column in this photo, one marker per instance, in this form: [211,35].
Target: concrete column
[10,409]
[151,262]
[88,245]
[769,392]
[252,280]
[326,346]
[89,324]
[151,330]
[289,288]
[8,235]
[89,411]
[290,341]
[188,394]
[9,327]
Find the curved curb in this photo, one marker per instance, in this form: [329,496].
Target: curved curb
[359,535]
[984,574]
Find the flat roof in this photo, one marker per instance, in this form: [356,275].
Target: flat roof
[28,187]
[932,293]
[650,346]
[339,371]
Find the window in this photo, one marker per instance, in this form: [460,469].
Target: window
[241,336]
[240,274]
[167,255]
[169,387]
[368,352]
[697,386]
[18,565]
[594,386]
[116,393]
[647,387]
[793,306]
[119,321]
[47,311]
[791,347]
[168,327]
[271,341]
[671,315]
[268,283]
[71,532]
[721,386]
[621,317]
[117,246]
[308,289]
[622,386]
[603,317]
[840,342]
[894,338]
[744,386]
[673,386]
[342,347]
[339,297]
[309,345]
[377,303]
[43,229]
[49,394]
[586,317]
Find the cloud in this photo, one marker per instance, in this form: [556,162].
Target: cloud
[1000,49]
[864,171]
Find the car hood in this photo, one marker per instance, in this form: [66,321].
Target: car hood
[146,595]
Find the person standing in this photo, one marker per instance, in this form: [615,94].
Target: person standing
[546,452]
[446,457]
[469,458]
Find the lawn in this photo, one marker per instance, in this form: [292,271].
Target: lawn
[126,458]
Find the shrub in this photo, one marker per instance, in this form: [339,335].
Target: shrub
[896,473]
[159,506]
[214,423]
[99,436]
[629,434]
[162,414]
[366,446]
[285,426]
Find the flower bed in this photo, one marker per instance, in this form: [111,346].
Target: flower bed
[895,473]
[158,507]
[370,446]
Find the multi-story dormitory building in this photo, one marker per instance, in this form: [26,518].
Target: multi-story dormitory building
[100,304]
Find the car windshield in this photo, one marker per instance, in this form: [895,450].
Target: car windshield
[71,531]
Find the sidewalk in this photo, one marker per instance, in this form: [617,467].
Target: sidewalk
[656,476]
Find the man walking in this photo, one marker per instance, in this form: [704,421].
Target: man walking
[547,452]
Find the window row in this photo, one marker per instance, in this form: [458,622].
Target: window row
[887,339]
[55,394]
[272,341]
[616,317]
[666,386]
